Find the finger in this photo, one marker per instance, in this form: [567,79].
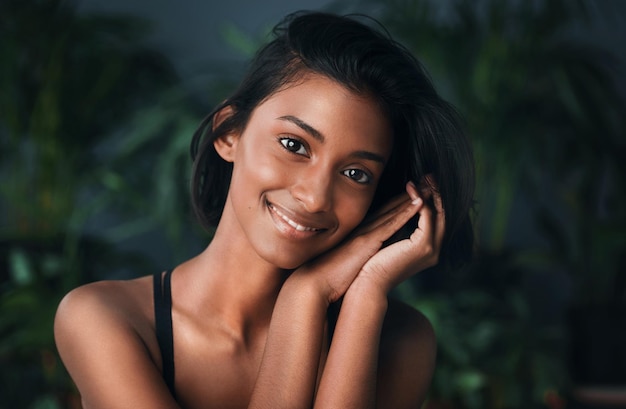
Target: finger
[430,191]
[425,223]
[430,230]
[394,219]
[411,189]
[390,206]
[427,186]
[396,206]
[440,218]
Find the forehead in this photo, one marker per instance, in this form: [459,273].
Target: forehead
[330,108]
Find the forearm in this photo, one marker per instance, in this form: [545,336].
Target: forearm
[289,369]
[288,373]
[349,377]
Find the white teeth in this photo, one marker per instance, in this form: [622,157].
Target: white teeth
[290,222]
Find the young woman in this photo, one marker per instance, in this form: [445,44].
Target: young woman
[334,141]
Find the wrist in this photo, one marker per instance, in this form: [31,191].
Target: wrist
[304,287]
[365,290]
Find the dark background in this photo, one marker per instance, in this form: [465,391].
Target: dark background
[98,101]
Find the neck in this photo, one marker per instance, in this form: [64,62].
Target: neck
[229,279]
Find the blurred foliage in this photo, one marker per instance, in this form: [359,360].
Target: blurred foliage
[547,124]
[549,134]
[94,133]
[495,350]
[67,83]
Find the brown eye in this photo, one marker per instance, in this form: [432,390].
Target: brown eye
[358,175]
[294,145]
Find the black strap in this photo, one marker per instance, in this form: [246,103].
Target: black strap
[163,323]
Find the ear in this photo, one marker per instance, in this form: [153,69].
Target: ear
[226,144]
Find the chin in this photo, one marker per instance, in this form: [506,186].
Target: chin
[287,259]
[288,263]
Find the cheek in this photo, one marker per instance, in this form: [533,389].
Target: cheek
[255,172]
[263,170]
[352,210]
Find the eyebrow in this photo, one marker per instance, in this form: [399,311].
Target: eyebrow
[304,126]
[370,156]
[318,135]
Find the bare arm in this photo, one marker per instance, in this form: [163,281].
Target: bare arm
[106,357]
[288,374]
[382,356]
[349,378]
[351,374]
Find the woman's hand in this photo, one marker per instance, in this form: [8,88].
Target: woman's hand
[402,259]
[370,367]
[293,352]
[293,356]
[332,273]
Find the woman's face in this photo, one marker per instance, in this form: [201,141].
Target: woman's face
[306,168]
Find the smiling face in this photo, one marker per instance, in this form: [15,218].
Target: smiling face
[305,170]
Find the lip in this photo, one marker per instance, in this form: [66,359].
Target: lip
[293,225]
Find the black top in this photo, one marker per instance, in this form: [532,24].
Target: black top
[163,324]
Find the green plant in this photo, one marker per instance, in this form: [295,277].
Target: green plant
[547,125]
[68,84]
[94,136]
[495,349]
[539,102]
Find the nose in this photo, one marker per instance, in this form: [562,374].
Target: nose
[314,190]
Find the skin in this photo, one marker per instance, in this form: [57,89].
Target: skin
[250,311]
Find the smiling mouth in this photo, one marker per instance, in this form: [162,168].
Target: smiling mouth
[290,222]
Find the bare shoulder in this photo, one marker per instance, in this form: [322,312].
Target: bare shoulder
[407,357]
[105,303]
[405,324]
[104,334]
[106,290]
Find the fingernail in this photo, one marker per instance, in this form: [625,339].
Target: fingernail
[416,201]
